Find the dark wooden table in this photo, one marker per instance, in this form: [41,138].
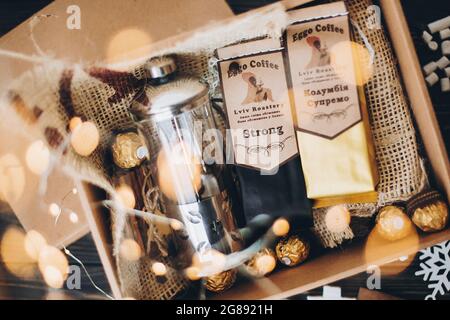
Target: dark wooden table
[404,285]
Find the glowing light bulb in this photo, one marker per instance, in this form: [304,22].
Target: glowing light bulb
[210,262]
[337,219]
[34,243]
[85,138]
[74,123]
[281,227]
[126,196]
[54,210]
[75,191]
[179,173]
[363,64]
[265,264]
[192,273]
[130,250]
[73,217]
[53,277]
[128,44]
[37,157]
[262,263]
[159,269]
[52,257]
[14,255]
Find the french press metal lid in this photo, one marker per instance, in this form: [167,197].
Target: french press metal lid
[172,99]
[160,69]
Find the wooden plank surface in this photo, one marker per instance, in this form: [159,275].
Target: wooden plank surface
[334,266]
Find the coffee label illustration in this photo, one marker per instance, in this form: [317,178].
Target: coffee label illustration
[323,76]
[258,109]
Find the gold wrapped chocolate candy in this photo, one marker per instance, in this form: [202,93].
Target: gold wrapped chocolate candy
[262,263]
[292,250]
[128,150]
[428,211]
[221,281]
[393,223]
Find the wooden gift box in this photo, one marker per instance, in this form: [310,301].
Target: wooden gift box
[352,260]
[337,264]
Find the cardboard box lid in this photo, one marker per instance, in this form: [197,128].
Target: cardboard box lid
[100,31]
[20,187]
[107,29]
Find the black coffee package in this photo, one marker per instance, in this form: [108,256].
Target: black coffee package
[266,158]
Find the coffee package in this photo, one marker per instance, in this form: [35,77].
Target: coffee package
[263,141]
[332,123]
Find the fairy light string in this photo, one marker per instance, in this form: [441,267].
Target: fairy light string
[74,191]
[67,252]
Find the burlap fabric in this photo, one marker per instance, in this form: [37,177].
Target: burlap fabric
[399,164]
[45,99]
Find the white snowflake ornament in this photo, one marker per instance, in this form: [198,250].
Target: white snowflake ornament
[435,269]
